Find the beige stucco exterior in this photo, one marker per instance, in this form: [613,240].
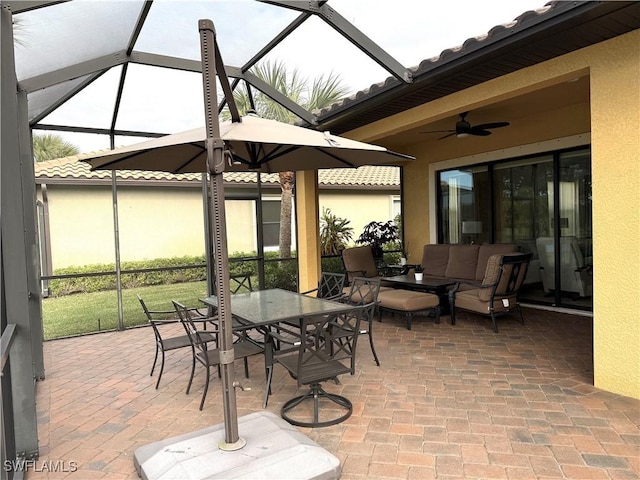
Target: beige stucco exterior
[164,221]
[608,118]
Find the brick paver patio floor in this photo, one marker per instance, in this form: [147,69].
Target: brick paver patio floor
[447,402]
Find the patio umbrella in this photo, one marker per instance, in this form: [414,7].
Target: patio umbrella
[251,144]
[246,143]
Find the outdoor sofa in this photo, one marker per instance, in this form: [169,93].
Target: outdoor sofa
[465,263]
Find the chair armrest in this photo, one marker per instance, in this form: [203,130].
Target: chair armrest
[456,286]
[162,312]
[309,291]
[295,334]
[336,298]
[289,341]
[473,284]
[357,273]
[168,321]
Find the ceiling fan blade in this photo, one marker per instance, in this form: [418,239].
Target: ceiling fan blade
[479,132]
[486,126]
[439,131]
[448,135]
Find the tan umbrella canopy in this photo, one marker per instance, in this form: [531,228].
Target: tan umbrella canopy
[252,144]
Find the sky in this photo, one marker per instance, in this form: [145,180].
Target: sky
[170,101]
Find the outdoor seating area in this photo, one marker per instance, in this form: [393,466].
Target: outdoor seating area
[446,401]
[485,279]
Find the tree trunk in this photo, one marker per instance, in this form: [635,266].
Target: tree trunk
[287,181]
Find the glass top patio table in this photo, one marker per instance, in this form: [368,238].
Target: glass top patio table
[266,307]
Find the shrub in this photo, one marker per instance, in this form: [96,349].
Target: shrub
[101,277]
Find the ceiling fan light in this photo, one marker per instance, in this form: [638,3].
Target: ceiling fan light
[462,135]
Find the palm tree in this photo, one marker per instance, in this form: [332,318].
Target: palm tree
[320,93]
[335,233]
[50,146]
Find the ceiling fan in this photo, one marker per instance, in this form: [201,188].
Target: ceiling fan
[464,128]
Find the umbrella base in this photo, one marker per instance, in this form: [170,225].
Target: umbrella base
[274,449]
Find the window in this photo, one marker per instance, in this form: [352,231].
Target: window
[271,222]
[463,213]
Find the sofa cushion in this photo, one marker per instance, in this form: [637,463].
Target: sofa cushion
[492,271]
[486,251]
[470,300]
[463,261]
[435,259]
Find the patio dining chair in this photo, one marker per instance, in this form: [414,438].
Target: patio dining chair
[158,319]
[204,354]
[322,349]
[364,292]
[330,286]
[240,283]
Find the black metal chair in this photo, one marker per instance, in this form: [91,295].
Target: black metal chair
[330,286]
[209,357]
[161,318]
[323,349]
[498,292]
[240,283]
[364,291]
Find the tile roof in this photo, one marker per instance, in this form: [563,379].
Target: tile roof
[70,169]
[427,64]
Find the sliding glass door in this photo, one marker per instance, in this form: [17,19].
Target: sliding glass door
[541,204]
[463,216]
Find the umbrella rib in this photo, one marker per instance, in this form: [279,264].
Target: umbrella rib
[107,165]
[179,169]
[330,154]
[278,152]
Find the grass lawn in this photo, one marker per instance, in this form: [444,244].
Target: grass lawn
[93,312]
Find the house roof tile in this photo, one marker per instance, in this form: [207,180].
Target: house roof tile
[70,169]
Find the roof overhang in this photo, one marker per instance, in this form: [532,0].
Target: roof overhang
[532,38]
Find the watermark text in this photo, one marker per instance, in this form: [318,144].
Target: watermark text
[61,466]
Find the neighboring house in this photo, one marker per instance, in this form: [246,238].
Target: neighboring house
[161,215]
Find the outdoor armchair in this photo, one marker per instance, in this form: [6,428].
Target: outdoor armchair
[322,349]
[498,291]
[359,262]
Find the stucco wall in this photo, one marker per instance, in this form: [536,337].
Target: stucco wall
[153,223]
[611,115]
[615,132]
[359,207]
[168,222]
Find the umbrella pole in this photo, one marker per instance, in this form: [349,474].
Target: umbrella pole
[215,166]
